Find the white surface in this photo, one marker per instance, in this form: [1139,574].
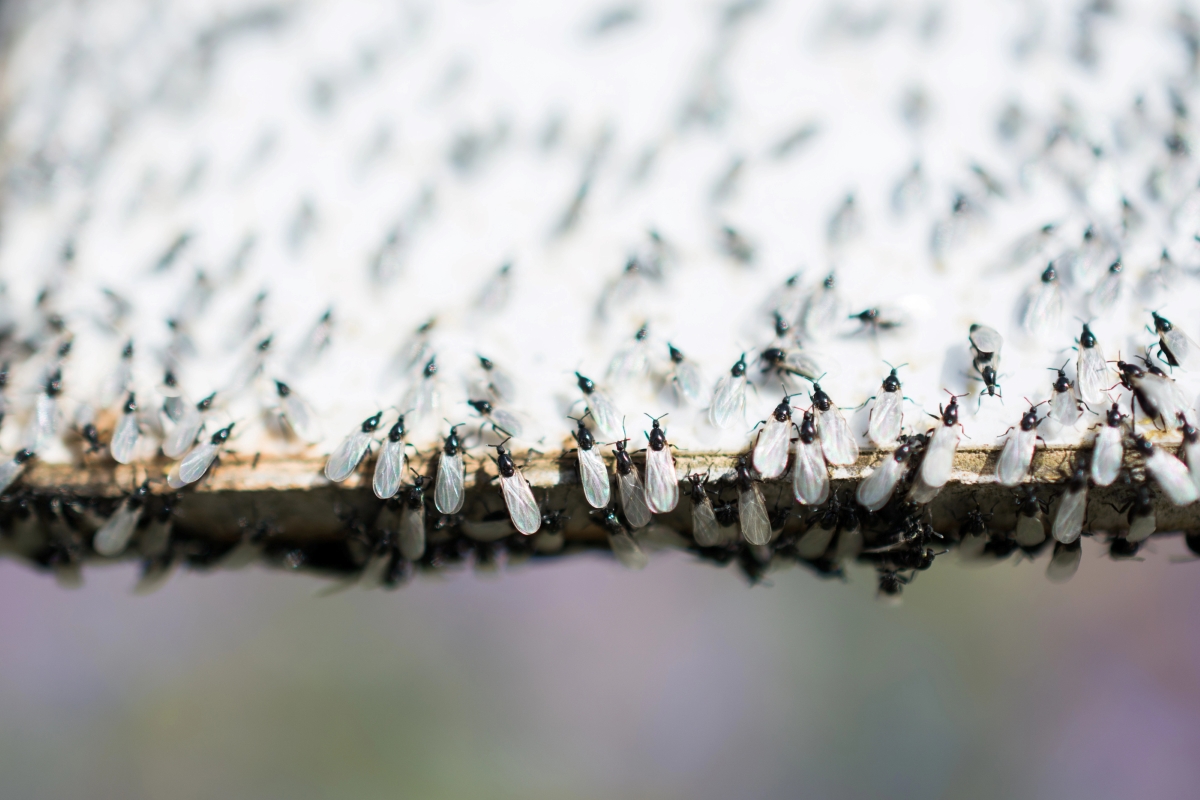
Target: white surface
[123,131]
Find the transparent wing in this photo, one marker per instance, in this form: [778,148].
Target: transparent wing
[1068,521]
[174,407]
[837,440]
[822,313]
[802,363]
[411,539]
[1104,296]
[756,525]
[1063,409]
[522,507]
[606,414]
[423,399]
[1044,310]
[501,384]
[155,573]
[346,458]
[183,434]
[300,417]
[810,476]
[9,471]
[1106,456]
[1141,528]
[508,421]
[388,519]
[116,531]
[374,571]
[117,384]
[43,424]
[705,529]
[593,474]
[627,551]
[193,466]
[849,544]
[814,542]
[939,457]
[1030,531]
[1172,476]
[448,492]
[1165,395]
[124,439]
[1184,348]
[388,470]
[1092,376]
[1192,454]
[771,449]
[633,499]
[1064,563]
[876,489]
[662,485]
[921,492]
[686,381]
[630,364]
[1015,457]
[886,419]
[729,402]
[986,339]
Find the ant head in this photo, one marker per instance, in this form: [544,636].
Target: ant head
[781,324]
[500,447]
[586,384]
[224,432]
[1086,337]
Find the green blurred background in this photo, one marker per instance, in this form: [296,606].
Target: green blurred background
[577,679]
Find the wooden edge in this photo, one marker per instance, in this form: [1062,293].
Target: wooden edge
[293,516]
[240,473]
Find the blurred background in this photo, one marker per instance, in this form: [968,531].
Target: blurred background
[577,679]
[129,122]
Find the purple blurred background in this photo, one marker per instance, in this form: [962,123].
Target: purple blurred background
[579,679]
